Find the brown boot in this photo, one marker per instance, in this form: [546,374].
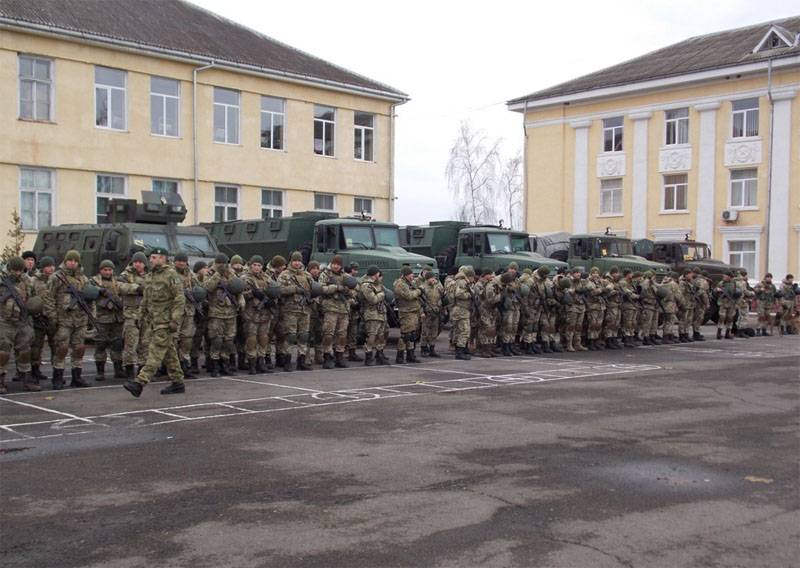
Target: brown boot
[570,343]
[576,343]
[29,383]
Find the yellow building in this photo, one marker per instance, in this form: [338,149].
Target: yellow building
[701,137]
[117,97]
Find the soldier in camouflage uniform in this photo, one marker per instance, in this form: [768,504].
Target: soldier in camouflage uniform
[373,306]
[449,281]
[409,308]
[433,292]
[43,329]
[595,309]
[489,293]
[510,311]
[295,313]
[163,306]
[629,306]
[702,304]
[257,315]
[109,318]
[354,319]
[16,327]
[135,330]
[200,339]
[649,317]
[613,317]
[788,293]
[315,318]
[336,301]
[461,300]
[186,327]
[671,304]
[727,297]
[686,313]
[529,313]
[575,310]
[766,294]
[276,265]
[224,304]
[63,308]
[543,288]
[743,304]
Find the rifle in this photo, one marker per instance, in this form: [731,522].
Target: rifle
[114,300]
[77,299]
[198,306]
[12,293]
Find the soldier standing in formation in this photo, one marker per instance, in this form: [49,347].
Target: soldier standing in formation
[135,330]
[109,318]
[433,292]
[257,315]
[373,302]
[335,305]
[16,326]
[409,308]
[43,329]
[766,295]
[295,313]
[224,302]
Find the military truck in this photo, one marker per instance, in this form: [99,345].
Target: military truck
[131,227]
[683,254]
[319,236]
[607,250]
[488,247]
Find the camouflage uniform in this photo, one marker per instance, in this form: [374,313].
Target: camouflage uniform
[649,321]
[630,310]
[574,315]
[490,294]
[686,316]
[200,340]
[743,304]
[727,293]
[671,303]
[460,312]
[766,294]
[373,312]
[702,302]
[43,328]
[257,317]
[335,303]
[510,315]
[431,324]
[135,330]
[788,309]
[223,308]
[530,313]
[16,332]
[595,309]
[613,317]
[186,328]
[409,309]
[109,318]
[295,315]
[61,308]
[548,330]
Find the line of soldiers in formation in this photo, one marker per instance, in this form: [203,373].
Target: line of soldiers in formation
[160,317]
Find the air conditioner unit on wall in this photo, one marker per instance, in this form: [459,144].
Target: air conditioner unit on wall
[730,215]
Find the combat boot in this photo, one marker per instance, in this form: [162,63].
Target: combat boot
[339,360]
[193,366]
[301,363]
[628,342]
[697,336]
[222,367]
[29,383]
[369,359]
[462,355]
[353,356]
[327,361]
[546,347]
[728,334]
[242,361]
[655,339]
[514,349]
[576,342]
[77,381]
[36,371]
[555,346]
[400,358]
[536,349]
[719,333]
[3,388]
[58,379]
[423,351]
[591,344]
[101,370]
[381,359]
[186,367]
[411,356]
[212,367]
[600,344]
[570,348]
[764,332]
[174,388]
[251,366]
[261,365]
[432,352]
[287,362]
[129,372]
[119,372]
[133,387]
[268,363]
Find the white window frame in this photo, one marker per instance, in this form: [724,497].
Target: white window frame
[744,113]
[52,87]
[177,183]
[108,195]
[358,211]
[164,107]
[326,124]
[674,186]
[677,123]
[226,106]
[360,132]
[36,191]
[227,204]
[271,208]
[109,88]
[272,114]
[331,195]
[603,191]
[615,131]
[731,181]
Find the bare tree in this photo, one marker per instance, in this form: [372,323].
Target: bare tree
[510,189]
[472,174]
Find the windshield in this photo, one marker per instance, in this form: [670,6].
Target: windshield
[695,252]
[358,237]
[615,247]
[520,243]
[387,236]
[150,240]
[499,243]
[195,243]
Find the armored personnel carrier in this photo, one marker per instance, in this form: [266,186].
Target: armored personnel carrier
[683,254]
[607,250]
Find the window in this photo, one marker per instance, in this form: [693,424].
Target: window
[324,202]
[611,196]
[36,198]
[676,189]
[744,188]
[745,118]
[226,203]
[165,186]
[226,116]
[362,205]
[165,103]
[35,88]
[108,186]
[387,236]
[271,203]
[324,125]
[273,117]
[109,98]
[612,134]
[677,126]
[364,126]
[358,237]
[743,253]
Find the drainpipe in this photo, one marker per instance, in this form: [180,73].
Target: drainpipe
[391,162]
[769,159]
[195,168]
[524,169]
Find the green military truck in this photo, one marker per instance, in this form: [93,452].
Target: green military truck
[607,250]
[683,254]
[132,227]
[487,247]
[319,236]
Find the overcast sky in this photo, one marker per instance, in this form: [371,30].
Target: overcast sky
[463,60]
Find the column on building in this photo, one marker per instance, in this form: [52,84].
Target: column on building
[780,152]
[639,196]
[706,172]
[580,195]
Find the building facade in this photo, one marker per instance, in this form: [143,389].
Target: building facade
[699,138]
[241,126]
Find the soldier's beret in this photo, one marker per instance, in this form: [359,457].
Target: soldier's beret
[28,254]
[406,270]
[372,270]
[337,259]
[181,257]
[16,263]
[513,265]
[257,259]
[296,256]
[46,261]
[221,258]
[139,257]
[73,255]
[159,250]
[312,264]
[236,259]
[543,270]
[277,261]
[106,264]
[198,266]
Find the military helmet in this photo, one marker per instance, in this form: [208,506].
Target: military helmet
[277,261]
[236,285]
[296,255]
[564,283]
[46,261]
[90,292]
[72,255]
[35,305]
[594,270]
[106,264]
[543,270]
[139,257]
[16,264]
[527,271]
[199,293]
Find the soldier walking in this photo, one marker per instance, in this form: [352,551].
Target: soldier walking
[109,317]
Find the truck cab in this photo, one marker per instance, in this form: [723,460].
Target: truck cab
[683,254]
[607,250]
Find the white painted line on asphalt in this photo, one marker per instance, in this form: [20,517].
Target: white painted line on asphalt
[43,409]
[166,414]
[270,384]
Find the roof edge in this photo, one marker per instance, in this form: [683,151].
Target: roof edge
[188,57]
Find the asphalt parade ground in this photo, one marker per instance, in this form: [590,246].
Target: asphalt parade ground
[676,455]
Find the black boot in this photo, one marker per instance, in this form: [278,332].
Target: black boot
[369,359]
[728,334]
[327,361]
[556,347]
[129,372]
[546,347]
[187,369]
[268,363]
[536,349]
[423,351]
[193,365]
[77,381]
[411,356]
[400,358]
[432,353]
[58,379]
[353,356]
[287,363]
[381,359]
[251,366]
[514,349]
[134,388]
[242,360]
[119,372]
[764,332]
[301,363]
[212,366]
[719,333]
[261,365]
[36,371]
[339,360]
[647,340]
[223,367]
[697,336]
[174,388]
[101,371]
[462,355]
[783,330]
[628,342]
[231,365]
